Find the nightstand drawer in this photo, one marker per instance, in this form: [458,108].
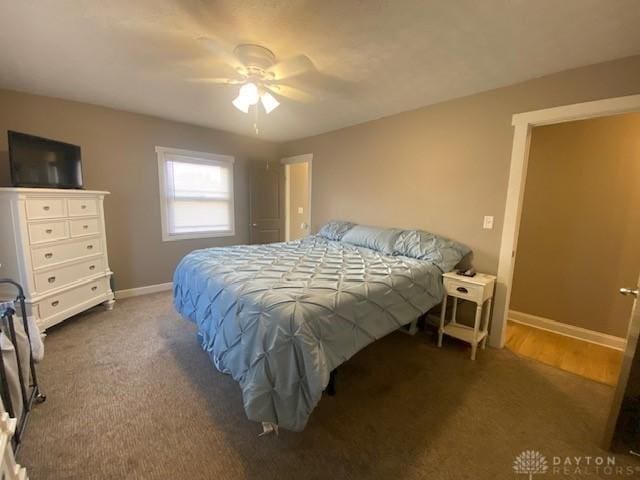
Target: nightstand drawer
[461,289]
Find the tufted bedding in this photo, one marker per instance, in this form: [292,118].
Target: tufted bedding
[280,317]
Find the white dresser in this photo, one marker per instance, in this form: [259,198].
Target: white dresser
[53,243]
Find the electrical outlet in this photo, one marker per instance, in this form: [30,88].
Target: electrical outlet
[488,222]
[300,210]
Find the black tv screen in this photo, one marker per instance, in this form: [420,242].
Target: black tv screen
[40,162]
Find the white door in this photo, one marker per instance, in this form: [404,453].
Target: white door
[618,433]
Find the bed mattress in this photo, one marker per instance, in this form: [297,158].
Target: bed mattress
[279,317]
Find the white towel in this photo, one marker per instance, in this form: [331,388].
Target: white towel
[10,361]
[11,374]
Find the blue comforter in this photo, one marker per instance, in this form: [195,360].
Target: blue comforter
[280,317]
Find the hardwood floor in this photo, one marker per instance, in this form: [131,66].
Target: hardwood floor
[589,360]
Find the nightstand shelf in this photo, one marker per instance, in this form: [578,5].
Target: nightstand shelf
[464,333]
[479,290]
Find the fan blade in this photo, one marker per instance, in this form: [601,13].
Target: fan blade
[321,84]
[292,67]
[220,50]
[290,92]
[218,81]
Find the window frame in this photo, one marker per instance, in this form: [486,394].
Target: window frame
[197,157]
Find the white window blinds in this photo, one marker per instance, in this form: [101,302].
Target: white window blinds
[197,194]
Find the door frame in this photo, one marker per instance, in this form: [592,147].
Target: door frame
[304,158]
[524,123]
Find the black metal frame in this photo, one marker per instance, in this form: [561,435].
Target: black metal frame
[331,386]
[30,390]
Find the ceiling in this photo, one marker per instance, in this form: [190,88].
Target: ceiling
[379,57]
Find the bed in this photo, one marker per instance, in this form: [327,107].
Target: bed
[280,317]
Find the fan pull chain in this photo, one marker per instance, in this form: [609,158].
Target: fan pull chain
[255,123]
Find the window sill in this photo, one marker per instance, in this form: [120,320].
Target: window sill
[197,235]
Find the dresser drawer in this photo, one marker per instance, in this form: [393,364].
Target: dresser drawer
[39,208]
[53,254]
[59,303]
[65,275]
[48,232]
[84,226]
[82,206]
[465,290]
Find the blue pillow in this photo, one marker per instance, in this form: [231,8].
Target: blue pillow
[335,230]
[376,238]
[440,251]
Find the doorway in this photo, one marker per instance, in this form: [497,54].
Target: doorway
[627,386]
[297,174]
[524,124]
[577,246]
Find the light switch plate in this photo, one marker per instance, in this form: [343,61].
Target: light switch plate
[488,222]
[300,210]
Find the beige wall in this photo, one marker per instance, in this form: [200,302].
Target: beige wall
[440,167]
[443,167]
[580,228]
[298,197]
[118,155]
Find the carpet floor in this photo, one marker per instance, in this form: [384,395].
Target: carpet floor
[131,395]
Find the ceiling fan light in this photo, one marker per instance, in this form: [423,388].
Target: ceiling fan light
[269,102]
[241,104]
[249,92]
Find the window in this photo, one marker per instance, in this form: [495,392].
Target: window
[196,194]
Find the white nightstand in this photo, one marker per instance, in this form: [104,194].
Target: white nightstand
[478,289]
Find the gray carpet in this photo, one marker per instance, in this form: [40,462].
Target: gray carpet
[132,395]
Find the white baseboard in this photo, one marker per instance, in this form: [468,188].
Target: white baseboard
[591,336]
[135,292]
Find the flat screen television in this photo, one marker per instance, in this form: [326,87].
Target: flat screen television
[43,163]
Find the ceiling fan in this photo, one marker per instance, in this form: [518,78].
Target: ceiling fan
[259,75]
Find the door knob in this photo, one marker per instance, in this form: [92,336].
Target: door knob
[629,291]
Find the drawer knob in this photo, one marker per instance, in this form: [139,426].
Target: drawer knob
[55,304]
[89,247]
[83,206]
[462,290]
[48,255]
[94,288]
[48,230]
[85,226]
[46,207]
[51,279]
[92,267]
